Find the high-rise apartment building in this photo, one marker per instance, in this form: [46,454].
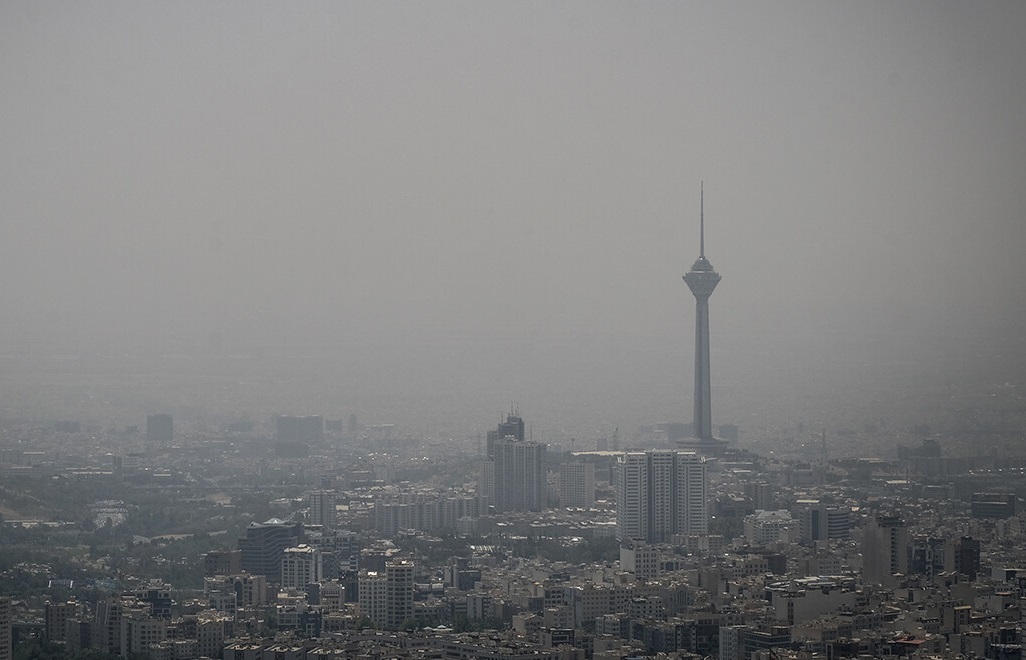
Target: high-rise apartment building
[762,495]
[57,616]
[926,556]
[486,484]
[632,496]
[962,555]
[373,596]
[513,427]
[386,597]
[300,566]
[822,522]
[140,631]
[519,475]
[322,507]
[659,494]
[110,624]
[885,550]
[106,625]
[399,577]
[6,618]
[211,632]
[577,484]
[512,476]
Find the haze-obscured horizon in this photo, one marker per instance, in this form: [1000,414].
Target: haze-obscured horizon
[419,213]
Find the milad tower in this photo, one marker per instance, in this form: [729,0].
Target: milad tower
[702,280]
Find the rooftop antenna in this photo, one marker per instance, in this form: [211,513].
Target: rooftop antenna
[701,222]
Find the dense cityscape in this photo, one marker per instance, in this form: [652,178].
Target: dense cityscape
[328,537]
[390,330]
[306,538]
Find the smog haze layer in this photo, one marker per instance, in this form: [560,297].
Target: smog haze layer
[419,213]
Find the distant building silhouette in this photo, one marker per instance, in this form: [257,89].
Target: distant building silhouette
[160,429]
[929,448]
[322,507]
[512,474]
[702,280]
[676,431]
[729,432]
[577,484]
[294,434]
[307,429]
[67,427]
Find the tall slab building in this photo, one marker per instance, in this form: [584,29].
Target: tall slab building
[160,428]
[519,475]
[513,473]
[659,494]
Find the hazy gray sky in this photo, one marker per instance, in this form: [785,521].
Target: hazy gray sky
[333,171]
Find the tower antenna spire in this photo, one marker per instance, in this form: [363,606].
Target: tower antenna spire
[701,221]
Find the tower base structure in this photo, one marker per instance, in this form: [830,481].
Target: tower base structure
[704,446]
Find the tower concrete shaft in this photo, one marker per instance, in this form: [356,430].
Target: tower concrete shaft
[702,280]
[703,386]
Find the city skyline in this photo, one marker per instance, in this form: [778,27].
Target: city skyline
[374,210]
[269,271]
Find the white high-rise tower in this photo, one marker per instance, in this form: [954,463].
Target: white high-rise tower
[659,494]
